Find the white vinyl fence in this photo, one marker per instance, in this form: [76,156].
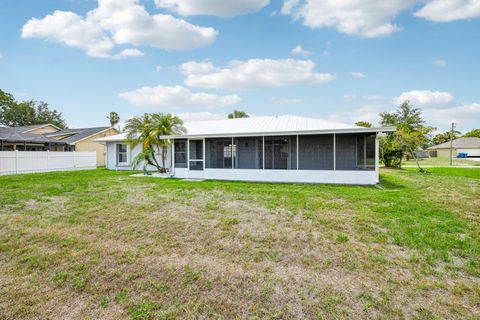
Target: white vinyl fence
[12,162]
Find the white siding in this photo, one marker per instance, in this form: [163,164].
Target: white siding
[131,154]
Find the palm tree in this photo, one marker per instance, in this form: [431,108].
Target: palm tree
[114,118]
[148,130]
[166,125]
[238,114]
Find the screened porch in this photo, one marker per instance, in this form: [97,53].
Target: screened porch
[287,152]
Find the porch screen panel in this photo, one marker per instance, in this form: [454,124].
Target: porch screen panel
[196,150]
[346,152]
[249,153]
[370,151]
[315,152]
[180,151]
[281,152]
[218,153]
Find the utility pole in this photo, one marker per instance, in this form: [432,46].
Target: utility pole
[451,143]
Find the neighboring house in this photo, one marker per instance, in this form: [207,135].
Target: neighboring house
[274,149]
[470,146]
[49,137]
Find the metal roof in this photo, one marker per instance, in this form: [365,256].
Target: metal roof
[262,126]
[468,142]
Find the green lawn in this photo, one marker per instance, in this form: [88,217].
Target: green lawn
[103,245]
[441,162]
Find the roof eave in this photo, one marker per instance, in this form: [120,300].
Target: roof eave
[286,133]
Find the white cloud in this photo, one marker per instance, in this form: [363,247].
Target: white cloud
[465,115]
[369,113]
[201,116]
[286,100]
[449,10]
[440,62]
[374,18]
[357,74]
[1,56]
[253,74]
[425,99]
[364,18]
[158,68]
[118,22]
[219,8]
[176,97]
[128,53]
[299,51]
[350,96]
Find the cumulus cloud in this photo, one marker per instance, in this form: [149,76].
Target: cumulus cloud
[118,22]
[449,10]
[299,51]
[374,18]
[357,74]
[369,113]
[128,53]
[176,97]
[253,74]
[425,98]
[465,115]
[219,8]
[364,18]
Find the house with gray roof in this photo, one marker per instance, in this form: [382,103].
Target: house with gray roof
[468,145]
[43,137]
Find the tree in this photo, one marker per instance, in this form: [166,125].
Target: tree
[238,114]
[25,113]
[148,131]
[363,124]
[445,137]
[114,118]
[411,134]
[475,133]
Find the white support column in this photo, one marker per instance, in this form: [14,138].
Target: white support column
[297,151]
[188,154]
[233,158]
[16,159]
[172,155]
[263,153]
[377,156]
[203,153]
[334,152]
[364,151]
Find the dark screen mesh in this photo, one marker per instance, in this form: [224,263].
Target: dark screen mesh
[315,152]
[180,153]
[249,153]
[355,152]
[218,153]
[281,152]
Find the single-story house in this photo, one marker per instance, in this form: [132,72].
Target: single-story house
[44,137]
[273,149]
[468,145]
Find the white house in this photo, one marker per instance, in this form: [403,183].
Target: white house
[273,149]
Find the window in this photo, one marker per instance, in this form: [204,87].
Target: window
[281,152]
[355,152]
[248,153]
[196,154]
[180,153]
[122,153]
[315,152]
[218,153]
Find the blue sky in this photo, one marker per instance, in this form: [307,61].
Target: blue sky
[203,58]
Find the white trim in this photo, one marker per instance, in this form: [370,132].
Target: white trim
[297,153]
[127,152]
[42,126]
[334,152]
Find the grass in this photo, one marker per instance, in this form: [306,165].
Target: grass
[101,244]
[441,162]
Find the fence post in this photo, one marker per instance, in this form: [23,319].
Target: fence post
[16,161]
[74,158]
[48,160]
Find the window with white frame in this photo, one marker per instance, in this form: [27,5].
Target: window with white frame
[122,156]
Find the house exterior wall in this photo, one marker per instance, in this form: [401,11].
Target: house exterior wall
[90,145]
[445,153]
[112,164]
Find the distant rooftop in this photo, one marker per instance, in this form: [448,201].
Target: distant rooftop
[468,142]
